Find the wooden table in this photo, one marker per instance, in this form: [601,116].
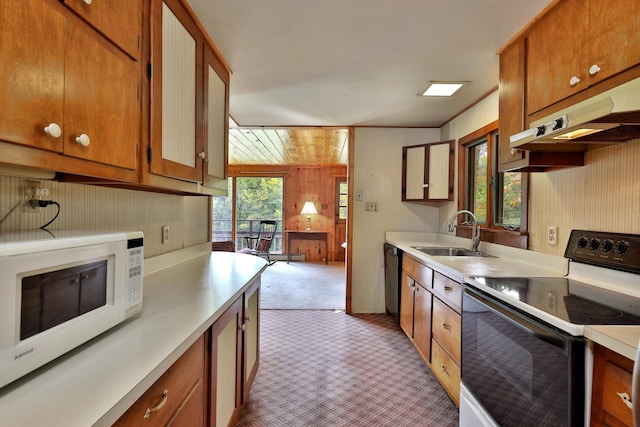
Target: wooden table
[307,235]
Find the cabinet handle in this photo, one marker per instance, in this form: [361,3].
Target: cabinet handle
[448,288]
[53,130]
[447,327]
[444,369]
[83,140]
[165,397]
[594,69]
[626,399]
[574,81]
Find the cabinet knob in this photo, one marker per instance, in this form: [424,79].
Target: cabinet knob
[87,1]
[247,318]
[83,140]
[242,327]
[202,155]
[574,81]
[626,399]
[53,130]
[594,69]
[425,185]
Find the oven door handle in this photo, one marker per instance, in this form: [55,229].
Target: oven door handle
[519,320]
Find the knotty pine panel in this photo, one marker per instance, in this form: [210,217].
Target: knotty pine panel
[316,184]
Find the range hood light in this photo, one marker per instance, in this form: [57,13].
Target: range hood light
[577,133]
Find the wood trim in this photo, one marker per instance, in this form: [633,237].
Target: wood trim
[206,36]
[517,239]
[528,25]
[349,254]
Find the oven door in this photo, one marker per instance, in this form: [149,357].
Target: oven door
[521,371]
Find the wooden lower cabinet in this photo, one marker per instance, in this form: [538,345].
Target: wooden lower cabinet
[416,300]
[612,386]
[430,316]
[234,357]
[209,384]
[447,371]
[177,398]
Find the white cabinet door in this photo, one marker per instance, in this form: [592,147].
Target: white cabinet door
[428,172]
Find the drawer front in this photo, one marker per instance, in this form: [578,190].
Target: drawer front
[446,329]
[447,372]
[184,385]
[421,273]
[617,385]
[448,290]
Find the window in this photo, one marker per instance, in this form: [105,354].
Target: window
[256,198]
[496,198]
[343,197]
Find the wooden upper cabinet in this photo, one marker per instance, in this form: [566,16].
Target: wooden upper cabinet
[176,105]
[427,172]
[577,44]
[66,89]
[106,115]
[216,118]
[31,73]
[119,20]
[614,37]
[511,101]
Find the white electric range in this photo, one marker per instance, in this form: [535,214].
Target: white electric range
[523,352]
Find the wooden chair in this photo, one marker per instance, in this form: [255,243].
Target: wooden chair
[260,245]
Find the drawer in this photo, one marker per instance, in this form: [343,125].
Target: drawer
[447,372]
[184,386]
[448,290]
[446,329]
[617,382]
[421,273]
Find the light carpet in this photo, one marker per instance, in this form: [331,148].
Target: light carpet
[303,286]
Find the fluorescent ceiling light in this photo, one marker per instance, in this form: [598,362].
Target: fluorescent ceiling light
[441,88]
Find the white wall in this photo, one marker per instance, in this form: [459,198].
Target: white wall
[378,175]
[483,113]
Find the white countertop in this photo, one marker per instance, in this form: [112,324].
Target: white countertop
[97,382]
[511,262]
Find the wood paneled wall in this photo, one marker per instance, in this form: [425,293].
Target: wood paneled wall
[302,183]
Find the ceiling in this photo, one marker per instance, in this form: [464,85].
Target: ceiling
[358,62]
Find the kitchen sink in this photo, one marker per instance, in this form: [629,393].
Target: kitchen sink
[444,251]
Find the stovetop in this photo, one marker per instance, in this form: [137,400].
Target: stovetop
[602,286]
[570,300]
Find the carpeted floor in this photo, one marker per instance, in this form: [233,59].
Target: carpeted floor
[303,285]
[325,368]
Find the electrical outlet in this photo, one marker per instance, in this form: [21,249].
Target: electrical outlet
[32,193]
[552,235]
[165,234]
[359,196]
[371,206]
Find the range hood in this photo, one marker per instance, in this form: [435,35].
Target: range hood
[607,118]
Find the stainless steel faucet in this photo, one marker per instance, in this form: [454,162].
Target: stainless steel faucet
[475,232]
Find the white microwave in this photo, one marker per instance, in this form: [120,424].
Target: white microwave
[61,289]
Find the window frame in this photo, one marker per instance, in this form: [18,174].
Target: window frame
[488,231]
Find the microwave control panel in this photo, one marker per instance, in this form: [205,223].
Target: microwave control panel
[134,286]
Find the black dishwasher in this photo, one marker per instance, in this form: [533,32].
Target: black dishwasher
[392,269]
